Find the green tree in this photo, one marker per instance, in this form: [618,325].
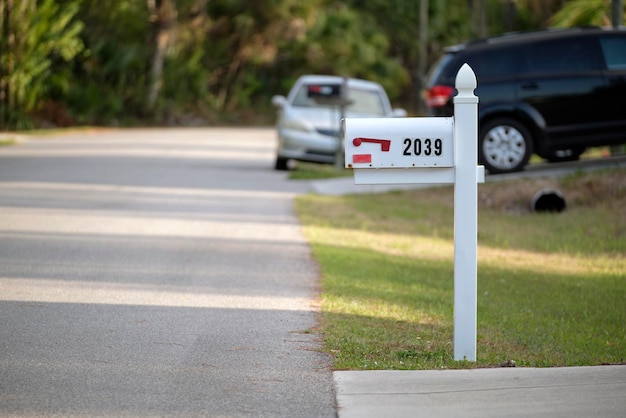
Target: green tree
[34,35]
[347,42]
[246,40]
[582,13]
[532,14]
[447,22]
[111,82]
[163,16]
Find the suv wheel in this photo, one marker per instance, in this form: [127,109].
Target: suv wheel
[504,145]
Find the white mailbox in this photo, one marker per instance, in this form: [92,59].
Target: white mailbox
[432,150]
[399,142]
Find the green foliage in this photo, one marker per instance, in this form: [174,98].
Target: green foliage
[313,171]
[111,80]
[87,64]
[247,43]
[34,37]
[346,42]
[4,142]
[583,13]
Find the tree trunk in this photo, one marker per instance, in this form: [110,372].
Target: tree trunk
[617,13]
[478,13]
[510,15]
[163,18]
[229,80]
[422,60]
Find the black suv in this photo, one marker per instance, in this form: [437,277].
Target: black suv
[553,92]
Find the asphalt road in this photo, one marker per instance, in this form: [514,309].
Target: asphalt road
[156,273]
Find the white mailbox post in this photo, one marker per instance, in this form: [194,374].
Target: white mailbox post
[438,151]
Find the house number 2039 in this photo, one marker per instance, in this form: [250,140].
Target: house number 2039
[423,147]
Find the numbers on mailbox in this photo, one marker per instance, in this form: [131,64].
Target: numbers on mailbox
[423,147]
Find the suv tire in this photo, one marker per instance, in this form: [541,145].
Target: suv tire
[504,145]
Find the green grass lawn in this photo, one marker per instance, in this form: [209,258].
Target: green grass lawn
[312,171]
[551,287]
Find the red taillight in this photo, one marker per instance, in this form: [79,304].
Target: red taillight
[438,96]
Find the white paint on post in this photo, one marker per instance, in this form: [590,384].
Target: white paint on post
[434,151]
[465,215]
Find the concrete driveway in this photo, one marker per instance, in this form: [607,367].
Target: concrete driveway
[156,273]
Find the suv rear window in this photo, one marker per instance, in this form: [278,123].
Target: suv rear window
[488,63]
[614,49]
[494,63]
[565,56]
[441,71]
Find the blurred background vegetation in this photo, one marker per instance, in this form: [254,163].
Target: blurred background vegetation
[209,62]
